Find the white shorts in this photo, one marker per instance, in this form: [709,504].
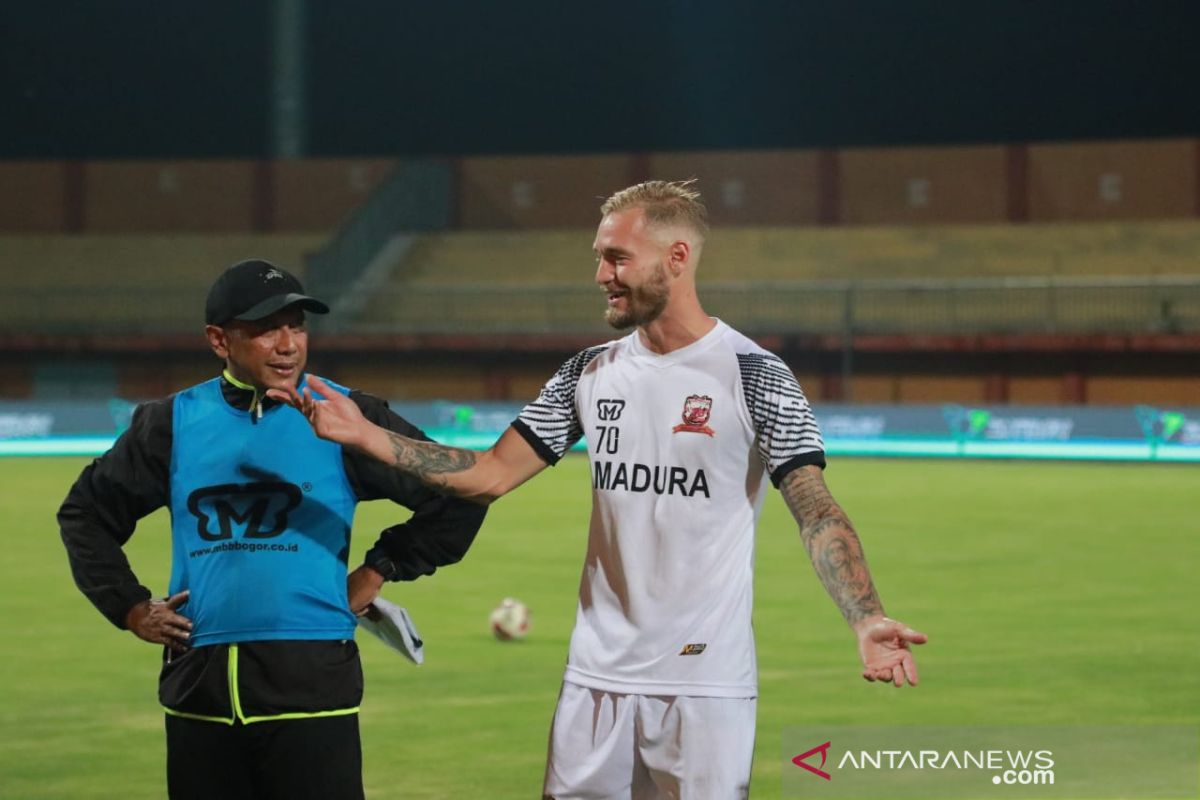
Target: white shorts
[608,746]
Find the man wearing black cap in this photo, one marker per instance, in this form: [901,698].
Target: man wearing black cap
[261,679]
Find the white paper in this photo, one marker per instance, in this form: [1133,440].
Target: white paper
[395,628]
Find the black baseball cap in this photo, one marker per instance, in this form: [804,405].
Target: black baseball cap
[254,289]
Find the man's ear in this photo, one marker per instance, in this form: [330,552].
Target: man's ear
[679,254]
[218,340]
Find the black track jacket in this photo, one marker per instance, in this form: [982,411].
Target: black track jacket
[280,677]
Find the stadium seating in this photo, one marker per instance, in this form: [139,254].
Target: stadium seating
[458,279]
[540,281]
[124,283]
[1132,249]
[1092,238]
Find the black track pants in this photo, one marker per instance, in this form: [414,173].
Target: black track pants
[316,758]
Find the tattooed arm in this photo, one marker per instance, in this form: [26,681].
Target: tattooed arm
[837,556]
[832,544]
[479,477]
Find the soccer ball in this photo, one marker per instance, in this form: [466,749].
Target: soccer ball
[510,620]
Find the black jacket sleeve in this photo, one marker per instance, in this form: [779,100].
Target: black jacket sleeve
[442,527]
[103,507]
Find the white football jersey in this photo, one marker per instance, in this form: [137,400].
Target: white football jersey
[679,445]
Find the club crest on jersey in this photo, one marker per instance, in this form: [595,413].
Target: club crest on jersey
[696,410]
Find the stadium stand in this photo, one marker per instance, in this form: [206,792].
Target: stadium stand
[123,283]
[1079,277]
[1087,254]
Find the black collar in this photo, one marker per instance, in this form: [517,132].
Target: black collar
[245,399]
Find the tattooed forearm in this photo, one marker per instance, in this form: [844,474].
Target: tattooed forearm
[832,544]
[430,462]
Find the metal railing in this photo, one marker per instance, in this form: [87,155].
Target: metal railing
[974,306]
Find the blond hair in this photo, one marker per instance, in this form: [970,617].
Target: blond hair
[665,203]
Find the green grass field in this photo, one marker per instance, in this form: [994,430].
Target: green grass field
[1052,593]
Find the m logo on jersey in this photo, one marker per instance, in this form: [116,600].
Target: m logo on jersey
[257,510]
[609,410]
[696,410]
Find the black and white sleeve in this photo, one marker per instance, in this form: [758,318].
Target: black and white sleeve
[785,429]
[551,422]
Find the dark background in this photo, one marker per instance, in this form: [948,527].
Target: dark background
[192,79]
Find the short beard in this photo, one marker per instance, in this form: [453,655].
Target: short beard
[644,304]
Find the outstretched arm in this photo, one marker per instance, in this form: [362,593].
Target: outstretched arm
[439,532]
[480,477]
[837,556]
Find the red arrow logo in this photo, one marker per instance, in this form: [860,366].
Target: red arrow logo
[823,749]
